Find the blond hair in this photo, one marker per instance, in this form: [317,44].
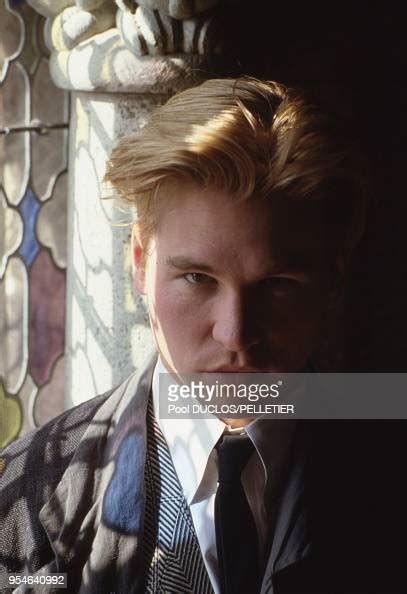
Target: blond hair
[249,138]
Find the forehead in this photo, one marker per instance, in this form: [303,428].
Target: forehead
[195,222]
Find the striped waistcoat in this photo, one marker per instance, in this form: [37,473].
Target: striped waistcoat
[173,561]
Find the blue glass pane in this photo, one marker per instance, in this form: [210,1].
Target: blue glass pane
[29,207]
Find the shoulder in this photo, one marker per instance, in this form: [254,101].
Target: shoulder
[30,469]
[48,449]
[33,467]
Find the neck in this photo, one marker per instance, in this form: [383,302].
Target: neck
[234,423]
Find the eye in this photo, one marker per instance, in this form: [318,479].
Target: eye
[198,278]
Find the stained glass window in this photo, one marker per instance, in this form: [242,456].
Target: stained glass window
[33,191]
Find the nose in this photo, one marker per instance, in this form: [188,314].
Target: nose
[234,327]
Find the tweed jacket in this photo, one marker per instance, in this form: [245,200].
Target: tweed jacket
[94,494]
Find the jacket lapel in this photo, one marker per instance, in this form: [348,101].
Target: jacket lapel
[94,519]
[172,556]
[290,513]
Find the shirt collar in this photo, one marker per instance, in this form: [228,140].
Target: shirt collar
[192,440]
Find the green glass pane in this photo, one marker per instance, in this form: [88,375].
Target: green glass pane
[10,417]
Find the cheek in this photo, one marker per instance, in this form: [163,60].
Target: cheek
[174,312]
[166,323]
[163,307]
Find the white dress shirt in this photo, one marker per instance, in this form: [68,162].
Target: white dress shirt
[191,444]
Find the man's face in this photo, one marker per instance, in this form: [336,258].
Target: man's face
[234,287]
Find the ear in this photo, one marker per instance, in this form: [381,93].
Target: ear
[138,263]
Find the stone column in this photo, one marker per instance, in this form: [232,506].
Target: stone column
[119,60]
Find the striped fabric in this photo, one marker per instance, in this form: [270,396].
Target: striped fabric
[173,561]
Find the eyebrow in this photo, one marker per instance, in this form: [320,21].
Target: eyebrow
[183,263]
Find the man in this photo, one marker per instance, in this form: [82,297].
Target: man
[249,203]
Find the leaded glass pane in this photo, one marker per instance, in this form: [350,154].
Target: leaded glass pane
[13,324]
[32,226]
[48,150]
[11,38]
[51,226]
[47,404]
[29,208]
[14,148]
[46,323]
[11,231]
[27,396]
[10,418]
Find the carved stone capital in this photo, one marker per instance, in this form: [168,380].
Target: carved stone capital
[150,46]
[177,9]
[151,32]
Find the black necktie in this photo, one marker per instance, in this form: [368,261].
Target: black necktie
[236,534]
